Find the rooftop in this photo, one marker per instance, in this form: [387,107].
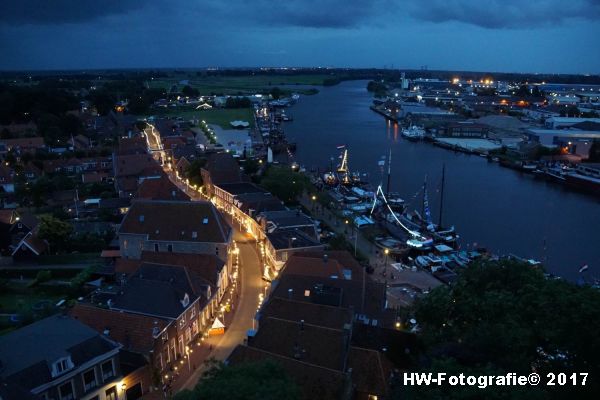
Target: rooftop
[313,344]
[27,354]
[182,221]
[135,332]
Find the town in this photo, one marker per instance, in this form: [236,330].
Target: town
[169,246]
[295,201]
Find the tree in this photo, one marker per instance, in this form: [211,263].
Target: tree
[264,380]
[276,93]
[507,316]
[55,231]
[193,172]
[284,183]
[190,91]
[595,152]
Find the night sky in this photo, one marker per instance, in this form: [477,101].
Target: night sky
[485,35]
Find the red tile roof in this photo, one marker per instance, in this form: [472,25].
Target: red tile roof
[160,189]
[315,314]
[313,344]
[204,266]
[133,331]
[181,221]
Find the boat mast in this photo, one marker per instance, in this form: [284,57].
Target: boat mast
[389,172]
[442,194]
[424,200]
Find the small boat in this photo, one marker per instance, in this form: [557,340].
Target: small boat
[413,132]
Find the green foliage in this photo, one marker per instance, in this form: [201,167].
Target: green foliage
[238,102]
[508,316]
[276,93]
[55,231]
[379,89]
[81,278]
[193,172]
[264,380]
[251,166]
[43,276]
[285,184]
[190,91]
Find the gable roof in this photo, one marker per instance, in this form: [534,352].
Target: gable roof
[202,266]
[28,353]
[32,243]
[334,292]
[223,168]
[135,332]
[315,314]
[167,285]
[313,344]
[160,189]
[176,221]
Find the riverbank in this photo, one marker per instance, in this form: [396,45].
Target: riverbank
[490,206]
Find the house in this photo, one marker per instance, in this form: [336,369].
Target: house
[183,305]
[136,334]
[131,169]
[220,168]
[29,247]
[60,358]
[313,342]
[160,189]
[174,227]
[23,145]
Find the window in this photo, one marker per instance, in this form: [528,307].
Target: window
[89,380]
[192,312]
[111,394]
[188,335]
[195,328]
[62,365]
[108,370]
[182,321]
[125,244]
[156,247]
[65,391]
[170,248]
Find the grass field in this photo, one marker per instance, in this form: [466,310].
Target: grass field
[241,84]
[216,116]
[16,297]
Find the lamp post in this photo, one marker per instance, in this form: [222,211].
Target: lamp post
[386,252]
[313,198]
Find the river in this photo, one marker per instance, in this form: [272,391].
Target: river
[501,209]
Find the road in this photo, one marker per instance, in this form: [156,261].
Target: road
[245,307]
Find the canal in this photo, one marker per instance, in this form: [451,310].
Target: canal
[503,210]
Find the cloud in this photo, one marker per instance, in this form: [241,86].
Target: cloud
[54,12]
[319,14]
[505,14]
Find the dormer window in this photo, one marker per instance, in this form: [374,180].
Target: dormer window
[61,366]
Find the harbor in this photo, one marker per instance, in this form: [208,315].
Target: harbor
[484,213]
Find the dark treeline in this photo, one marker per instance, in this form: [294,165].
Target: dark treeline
[337,74]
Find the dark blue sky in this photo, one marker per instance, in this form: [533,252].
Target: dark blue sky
[487,35]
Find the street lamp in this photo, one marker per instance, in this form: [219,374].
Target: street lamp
[386,252]
[313,198]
